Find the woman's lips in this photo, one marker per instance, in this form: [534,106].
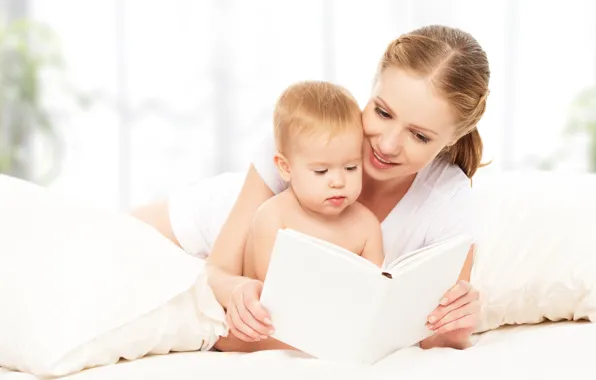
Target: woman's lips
[379,161]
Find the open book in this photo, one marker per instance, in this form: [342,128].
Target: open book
[335,305]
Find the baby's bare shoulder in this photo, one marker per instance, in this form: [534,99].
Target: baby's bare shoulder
[362,217]
[273,208]
[359,210]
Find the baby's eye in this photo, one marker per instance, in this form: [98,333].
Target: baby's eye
[351,168]
[320,171]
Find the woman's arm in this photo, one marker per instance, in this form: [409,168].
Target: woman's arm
[455,318]
[224,264]
[226,259]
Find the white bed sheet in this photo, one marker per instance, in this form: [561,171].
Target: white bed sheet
[517,352]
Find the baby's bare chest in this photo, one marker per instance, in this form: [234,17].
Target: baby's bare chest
[346,234]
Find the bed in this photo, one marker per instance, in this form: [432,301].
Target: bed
[536,273]
[546,350]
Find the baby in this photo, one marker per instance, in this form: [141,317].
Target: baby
[318,132]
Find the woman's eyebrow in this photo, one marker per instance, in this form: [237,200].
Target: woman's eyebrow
[386,106]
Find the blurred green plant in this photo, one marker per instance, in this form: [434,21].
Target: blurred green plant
[29,52]
[582,121]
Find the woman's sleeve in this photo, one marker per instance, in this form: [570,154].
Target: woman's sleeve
[186,211]
[455,216]
[264,165]
[191,208]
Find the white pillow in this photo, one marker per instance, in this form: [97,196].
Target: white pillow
[82,286]
[536,257]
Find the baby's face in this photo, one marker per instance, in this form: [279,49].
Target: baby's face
[326,175]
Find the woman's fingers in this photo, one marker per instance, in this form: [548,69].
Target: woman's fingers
[253,305]
[241,326]
[464,316]
[441,311]
[456,292]
[256,327]
[467,322]
[251,311]
[245,310]
[239,334]
[259,313]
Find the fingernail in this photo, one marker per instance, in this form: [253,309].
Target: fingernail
[271,332]
[432,319]
[444,301]
[267,321]
[263,336]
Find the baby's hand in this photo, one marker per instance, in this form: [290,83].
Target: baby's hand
[247,319]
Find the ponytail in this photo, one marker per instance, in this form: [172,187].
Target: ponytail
[467,153]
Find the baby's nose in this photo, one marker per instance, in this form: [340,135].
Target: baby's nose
[337,181]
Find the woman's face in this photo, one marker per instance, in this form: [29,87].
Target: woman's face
[406,125]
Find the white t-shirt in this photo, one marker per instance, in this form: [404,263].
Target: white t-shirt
[437,206]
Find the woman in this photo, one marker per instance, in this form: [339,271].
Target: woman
[421,150]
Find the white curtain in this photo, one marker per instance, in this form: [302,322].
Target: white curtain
[184,89]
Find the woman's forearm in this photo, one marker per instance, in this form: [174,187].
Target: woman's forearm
[233,344]
[223,284]
[226,260]
[436,341]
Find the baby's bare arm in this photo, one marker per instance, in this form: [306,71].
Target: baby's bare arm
[373,248]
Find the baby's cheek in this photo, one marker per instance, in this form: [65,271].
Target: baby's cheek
[356,186]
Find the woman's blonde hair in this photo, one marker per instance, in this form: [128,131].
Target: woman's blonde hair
[314,108]
[457,66]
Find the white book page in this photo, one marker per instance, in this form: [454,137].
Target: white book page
[320,303]
[413,293]
[425,252]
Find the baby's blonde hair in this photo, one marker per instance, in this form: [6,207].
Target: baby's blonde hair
[314,108]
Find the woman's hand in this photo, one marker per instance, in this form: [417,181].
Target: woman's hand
[247,319]
[455,319]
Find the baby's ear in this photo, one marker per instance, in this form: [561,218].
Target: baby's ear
[282,166]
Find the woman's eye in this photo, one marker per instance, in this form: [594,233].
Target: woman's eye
[320,171]
[421,137]
[382,113]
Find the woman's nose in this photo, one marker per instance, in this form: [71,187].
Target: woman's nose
[390,142]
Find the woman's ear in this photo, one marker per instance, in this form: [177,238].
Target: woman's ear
[283,166]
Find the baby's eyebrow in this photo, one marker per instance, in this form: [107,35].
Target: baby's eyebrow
[318,163]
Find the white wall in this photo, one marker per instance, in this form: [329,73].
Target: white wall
[187,87]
